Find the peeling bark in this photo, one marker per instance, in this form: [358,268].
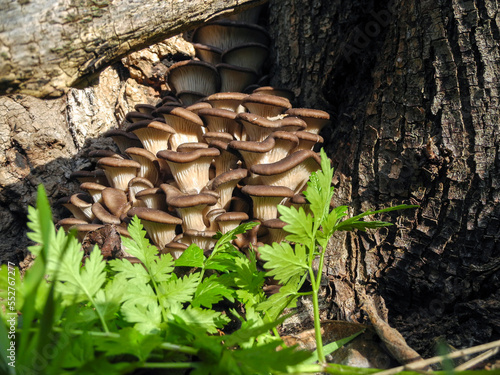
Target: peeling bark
[47,46]
[413,86]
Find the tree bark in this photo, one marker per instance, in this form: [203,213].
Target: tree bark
[47,46]
[413,88]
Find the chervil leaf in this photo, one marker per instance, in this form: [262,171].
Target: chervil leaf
[212,290]
[300,224]
[161,268]
[191,257]
[355,223]
[285,298]
[147,316]
[208,320]
[128,341]
[226,238]
[177,291]
[283,261]
[139,245]
[131,271]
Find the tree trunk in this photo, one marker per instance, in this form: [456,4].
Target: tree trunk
[413,86]
[48,46]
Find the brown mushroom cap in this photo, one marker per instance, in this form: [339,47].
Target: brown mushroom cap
[190,208]
[204,239]
[226,100]
[314,118]
[269,90]
[225,183]
[292,171]
[68,222]
[248,55]
[145,108]
[189,98]
[119,171]
[175,249]
[193,75]
[197,106]
[308,140]
[275,229]
[269,106]
[97,154]
[115,200]
[83,202]
[153,215]
[104,215]
[235,78]
[137,116]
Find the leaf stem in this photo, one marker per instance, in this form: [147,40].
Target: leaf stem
[170,365]
[317,323]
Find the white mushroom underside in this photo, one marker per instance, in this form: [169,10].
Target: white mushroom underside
[223,125]
[226,226]
[205,243]
[153,140]
[184,137]
[120,177]
[192,217]
[77,212]
[256,133]
[225,193]
[193,176]
[225,162]
[148,170]
[154,201]
[161,234]
[194,78]
[264,110]
[96,195]
[266,208]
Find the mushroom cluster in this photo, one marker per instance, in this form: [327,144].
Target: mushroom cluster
[215,152]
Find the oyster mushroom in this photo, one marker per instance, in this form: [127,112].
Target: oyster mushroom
[220,120]
[83,203]
[269,90]
[98,176]
[138,116]
[104,216]
[150,168]
[154,135]
[115,200]
[135,186]
[123,139]
[314,118]
[249,55]
[95,190]
[209,54]
[153,198]
[190,169]
[194,76]
[226,100]
[225,34]
[235,78]
[175,249]
[225,183]
[230,220]
[292,171]
[269,106]
[203,239]
[187,125]
[119,171]
[190,208]
[228,158]
[266,199]
[276,233]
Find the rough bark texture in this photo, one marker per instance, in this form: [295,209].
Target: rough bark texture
[413,86]
[47,46]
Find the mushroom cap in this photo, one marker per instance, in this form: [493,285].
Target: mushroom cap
[68,222]
[123,139]
[117,163]
[209,54]
[119,171]
[285,164]
[229,176]
[249,55]
[267,191]
[142,152]
[193,75]
[270,90]
[274,224]
[154,134]
[153,198]
[104,153]
[104,215]
[153,215]
[145,108]
[188,125]
[226,100]
[81,200]
[98,176]
[257,128]
[187,157]
[225,34]
[264,105]
[308,140]
[191,146]
[94,189]
[220,120]
[232,216]
[191,200]
[197,106]
[235,78]
[314,118]
[219,138]
[137,116]
[115,200]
